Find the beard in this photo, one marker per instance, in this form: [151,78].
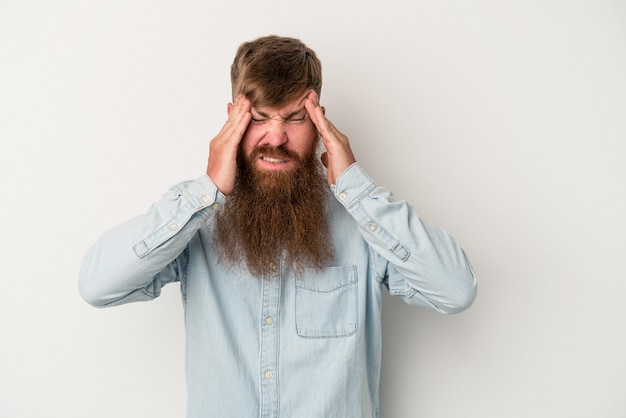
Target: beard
[275,215]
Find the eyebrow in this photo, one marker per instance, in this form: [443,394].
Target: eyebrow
[289,115]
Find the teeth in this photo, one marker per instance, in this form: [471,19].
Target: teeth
[273,160]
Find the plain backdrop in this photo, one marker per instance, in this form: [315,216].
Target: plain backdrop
[503,121]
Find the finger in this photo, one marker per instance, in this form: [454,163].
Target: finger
[241,124]
[239,117]
[240,107]
[315,111]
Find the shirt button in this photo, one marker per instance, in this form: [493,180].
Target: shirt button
[174,227]
[342,196]
[269,320]
[268,374]
[373,228]
[215,206]
[206,199]
[273,266]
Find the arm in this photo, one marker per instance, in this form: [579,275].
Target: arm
[421,263]
[134,260]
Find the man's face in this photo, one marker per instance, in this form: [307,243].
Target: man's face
[277,209]
[277,139]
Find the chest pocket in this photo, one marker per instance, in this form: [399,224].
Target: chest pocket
[326,302]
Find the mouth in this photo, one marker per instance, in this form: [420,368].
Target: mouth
[274,160]
[267,158]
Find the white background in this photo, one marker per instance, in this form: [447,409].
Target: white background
[503,121]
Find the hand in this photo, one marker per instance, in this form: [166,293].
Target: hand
[338,156]
[222,165]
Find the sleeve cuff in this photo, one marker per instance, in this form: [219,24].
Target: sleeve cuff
[352,185]
[202,193]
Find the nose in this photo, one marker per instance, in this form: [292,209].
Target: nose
[276,134]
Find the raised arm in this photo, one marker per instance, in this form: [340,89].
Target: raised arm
[421,263]
[134,260]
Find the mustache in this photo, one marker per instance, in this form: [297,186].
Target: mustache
[270,151]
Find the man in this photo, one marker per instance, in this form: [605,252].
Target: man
[281,268]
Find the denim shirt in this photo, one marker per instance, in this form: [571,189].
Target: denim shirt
[282,346]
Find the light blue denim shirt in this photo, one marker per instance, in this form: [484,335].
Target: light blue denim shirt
[282,346]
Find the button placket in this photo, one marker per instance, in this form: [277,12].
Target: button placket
[270,341]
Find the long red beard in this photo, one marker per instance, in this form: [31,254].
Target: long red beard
[274,216]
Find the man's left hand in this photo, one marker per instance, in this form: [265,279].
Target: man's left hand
[338,156]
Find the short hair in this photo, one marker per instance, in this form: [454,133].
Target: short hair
[274,70]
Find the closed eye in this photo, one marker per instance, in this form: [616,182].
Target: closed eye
[297,118]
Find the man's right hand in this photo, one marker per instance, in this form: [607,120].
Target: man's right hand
[222,165]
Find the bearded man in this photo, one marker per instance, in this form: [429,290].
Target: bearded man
[281,267]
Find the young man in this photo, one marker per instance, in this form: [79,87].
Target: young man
[281,268]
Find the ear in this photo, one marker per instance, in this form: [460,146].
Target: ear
[229,108]
[323,110]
